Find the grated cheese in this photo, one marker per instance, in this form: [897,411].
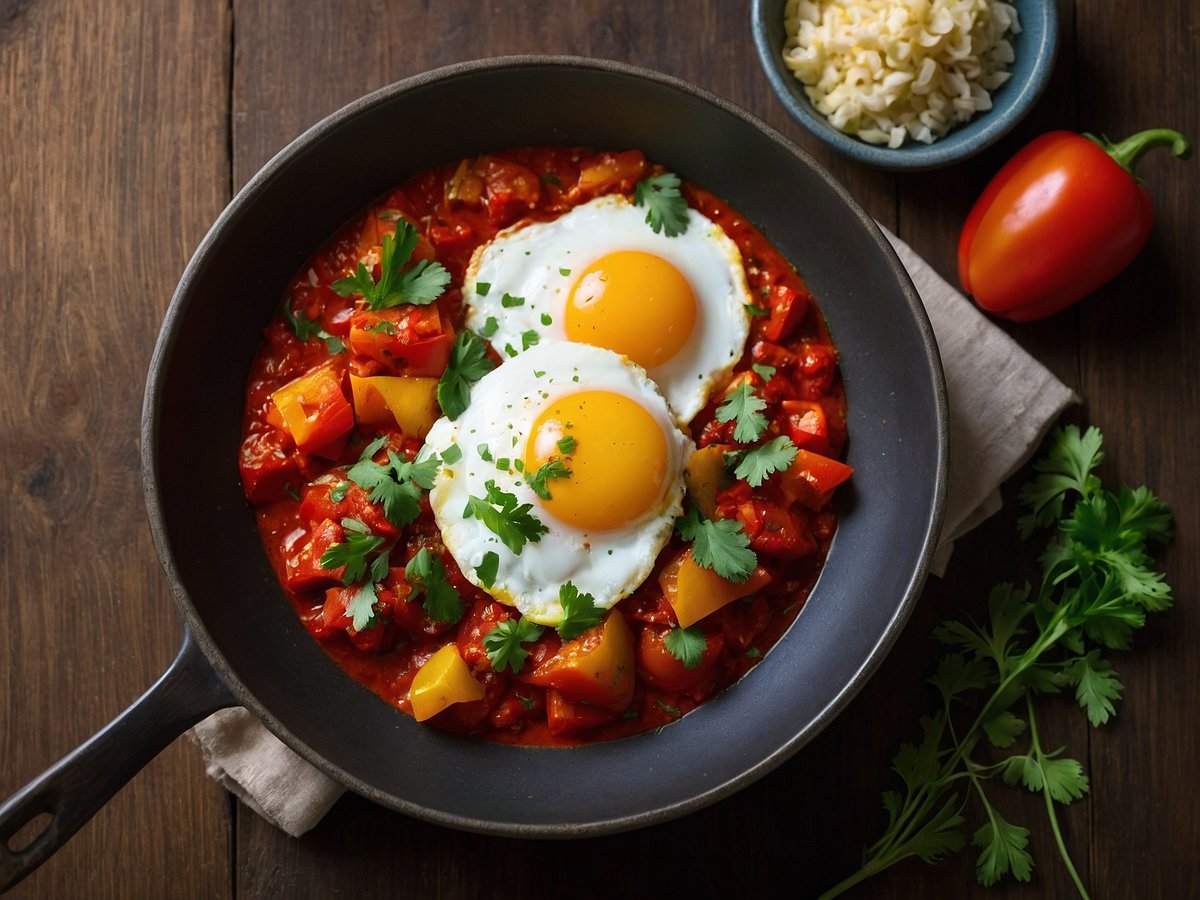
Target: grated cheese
[890,71]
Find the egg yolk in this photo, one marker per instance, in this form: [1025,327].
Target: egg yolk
[615,451]
[634,303]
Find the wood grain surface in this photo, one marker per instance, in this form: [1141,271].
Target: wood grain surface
[124,128]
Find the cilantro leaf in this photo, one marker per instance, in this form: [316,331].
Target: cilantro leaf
[468,363]
[503,643]
[426,575]
[746,408]
[666,209]
[548,471]
[395,485]
[1096,686]
[1003,850]
[580,612]
[759,463]
[720,545]
[352,552]
[304,327]
[687,645]
[488,568]
[419,285]
[361,607]
[766,373]
[499,512]
[1066,467]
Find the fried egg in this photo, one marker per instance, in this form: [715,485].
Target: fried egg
[600,275]
[592,413]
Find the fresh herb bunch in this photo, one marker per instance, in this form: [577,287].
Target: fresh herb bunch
[1097,584]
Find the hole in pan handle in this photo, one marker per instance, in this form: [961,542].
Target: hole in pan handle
[72,790]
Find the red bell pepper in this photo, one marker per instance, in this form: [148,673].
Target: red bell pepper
[1063,216]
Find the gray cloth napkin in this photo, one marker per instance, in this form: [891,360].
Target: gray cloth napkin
[1002,402]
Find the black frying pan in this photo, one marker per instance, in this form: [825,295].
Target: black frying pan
[244,645]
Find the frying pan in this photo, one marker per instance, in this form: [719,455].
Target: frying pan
[244,645]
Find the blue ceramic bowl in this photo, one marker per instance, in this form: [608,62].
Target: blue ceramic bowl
[1035,48]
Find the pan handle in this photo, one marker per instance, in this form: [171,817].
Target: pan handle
[72,790]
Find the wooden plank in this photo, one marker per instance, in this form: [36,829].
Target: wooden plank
[1139,340]
[114,164]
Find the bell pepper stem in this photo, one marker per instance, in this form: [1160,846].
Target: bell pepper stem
[1128,152]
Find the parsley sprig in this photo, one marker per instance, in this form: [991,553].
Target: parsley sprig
[666,209]
[468,363]
[754,466]
[426,575]
[305,328]
[718,544]
[580,612]
[418,285]
[744,406]
[503,644]
[501,514]
[548,471]
[1097,584]
[396,484]
[686,644]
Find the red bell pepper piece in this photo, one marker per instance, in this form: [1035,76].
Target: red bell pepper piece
[1063,216]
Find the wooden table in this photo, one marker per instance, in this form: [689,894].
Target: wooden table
[125,128]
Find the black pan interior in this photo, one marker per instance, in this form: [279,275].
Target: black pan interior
[205,530]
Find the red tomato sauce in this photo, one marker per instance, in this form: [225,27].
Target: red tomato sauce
[294,469]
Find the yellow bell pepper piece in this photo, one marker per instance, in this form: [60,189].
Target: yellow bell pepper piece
[695,592]
[597,666]
[408,401]
[443,680]
[705,475]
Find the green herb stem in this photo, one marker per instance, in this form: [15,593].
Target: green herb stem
[1036,746]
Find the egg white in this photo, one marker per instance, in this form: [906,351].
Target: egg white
[609,565]
[540,263]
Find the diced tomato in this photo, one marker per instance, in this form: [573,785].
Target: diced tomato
[521,703]
[407,340]
[807,425]
[781,532]
[302,571]
[811,478]
[483,616]
[789,306]
[816,364]
[317,504]
[565,716]
[510,189]
[465,185]
[453,238]
[268,465]
[660,668]
[316,412]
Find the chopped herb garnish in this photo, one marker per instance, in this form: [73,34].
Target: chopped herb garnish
[490,327]
[306,328]
[426,575]
[487,568]
[746,408]
[580,612]
[757,311]
[338,492]
[546,319]
[566,444]
[718,544]
[548,471]
[753,653]
[529,339]
[564,272]
[291,491]
[396,484]
[666,210]
[451,455]
[482,288]
[468,363]
[501,514]
[503,643]
[484,453]
[508,301]
[766,373]
[687,645]
[510,350]
[526,702]
[504,464]
[352,552]
[759,463]
[419,285]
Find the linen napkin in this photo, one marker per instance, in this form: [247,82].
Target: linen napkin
[1002,401]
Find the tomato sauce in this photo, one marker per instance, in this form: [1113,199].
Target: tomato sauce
[294,468]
